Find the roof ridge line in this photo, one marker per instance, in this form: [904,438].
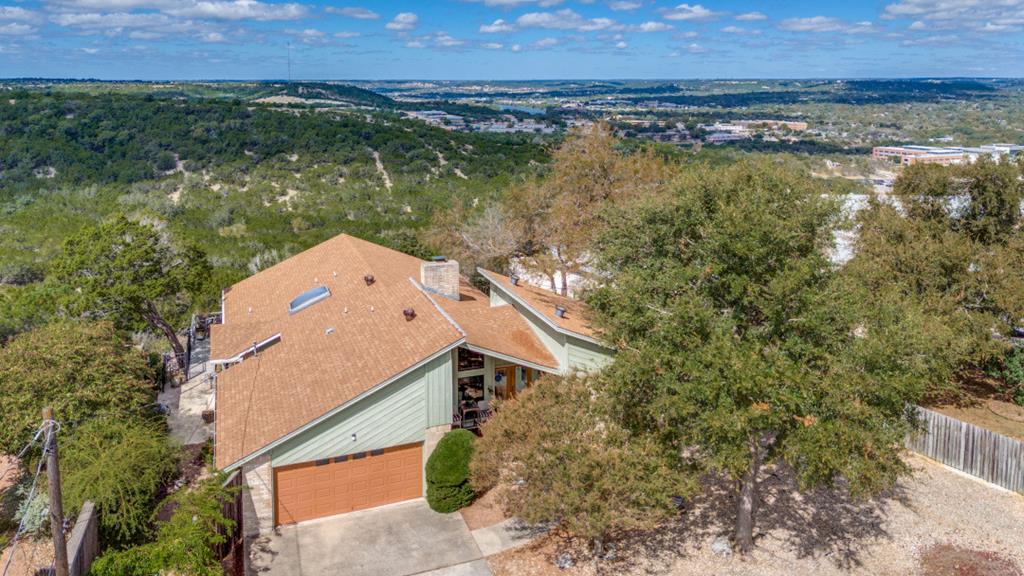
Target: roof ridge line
[423,289]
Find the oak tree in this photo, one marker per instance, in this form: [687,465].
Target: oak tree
[740,346]
[560,458]
[130,273]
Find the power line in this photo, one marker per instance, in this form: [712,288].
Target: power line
[21,525]
[17,459]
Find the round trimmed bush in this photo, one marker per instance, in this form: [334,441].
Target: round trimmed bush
[448,486]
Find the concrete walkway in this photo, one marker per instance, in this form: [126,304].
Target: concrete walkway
[505,535]
[188,401]
[405,539]
[398,540]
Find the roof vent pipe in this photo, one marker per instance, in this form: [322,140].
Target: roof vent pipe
[369,279]
[515,279]
[409,314]
[439,259]
[559,310]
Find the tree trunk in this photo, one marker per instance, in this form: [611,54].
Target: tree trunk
[157,322]
[564,288]
[747,499]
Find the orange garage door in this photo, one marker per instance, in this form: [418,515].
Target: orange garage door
[347,483]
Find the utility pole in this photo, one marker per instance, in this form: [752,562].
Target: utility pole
[60,551]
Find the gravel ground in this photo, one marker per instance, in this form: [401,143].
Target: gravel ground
[822,534]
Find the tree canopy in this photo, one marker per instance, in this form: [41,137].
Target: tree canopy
[950,243]
[741,345]
[119,464]
[81,369]
[131,273]
[563,460]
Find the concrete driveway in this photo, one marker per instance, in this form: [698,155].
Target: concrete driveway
[397,540]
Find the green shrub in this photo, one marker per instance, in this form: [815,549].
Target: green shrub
[184,544]
[448,487]
[119,464]
[1011,371]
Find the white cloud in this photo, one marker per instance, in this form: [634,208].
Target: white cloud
[357,12]
[517,3]
[517,47]
[496,27]
[444,40]
[685,35]
[694,13]
[751,17]
[308,36]
[991,15]
[565,19]
[696,49]
[813,24]
[492,45]
[403,21]
[653,27]
[237,10]
[18,14]
[545,42]
[932,40]
[17,29]
[624,5]
[621,45]
[138,25]
[415,44]
[820,24]
[739,30]
[918,25]
[144,35]
[347,34]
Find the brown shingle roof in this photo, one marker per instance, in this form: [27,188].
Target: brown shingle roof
[499,329]
[311,372]
[544,302]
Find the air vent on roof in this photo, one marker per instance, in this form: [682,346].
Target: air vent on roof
[308,298]
[409,313]
[369,279]
[515,279]
[559,310]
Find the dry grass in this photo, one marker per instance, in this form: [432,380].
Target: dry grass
[825,533]
[986,406]
[484,512]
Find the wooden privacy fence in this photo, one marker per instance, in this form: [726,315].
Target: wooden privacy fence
[979,452]
[83,544]
[229,551]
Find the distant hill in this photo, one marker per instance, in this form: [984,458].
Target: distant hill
[335,92]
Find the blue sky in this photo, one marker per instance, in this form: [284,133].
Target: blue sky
[510,39]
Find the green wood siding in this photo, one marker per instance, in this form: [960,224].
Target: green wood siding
[397,414]
[586,356]
[440,390]
[572,353]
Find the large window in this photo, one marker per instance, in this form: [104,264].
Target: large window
[471,389]
[469,360]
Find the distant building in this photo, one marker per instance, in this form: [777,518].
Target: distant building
[439,118]
[773,125]
[945,156]
[723,137]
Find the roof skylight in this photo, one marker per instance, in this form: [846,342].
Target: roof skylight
[308,298]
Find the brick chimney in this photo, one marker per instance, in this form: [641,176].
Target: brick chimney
[441,277]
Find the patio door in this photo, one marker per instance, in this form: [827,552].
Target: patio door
[505,382]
